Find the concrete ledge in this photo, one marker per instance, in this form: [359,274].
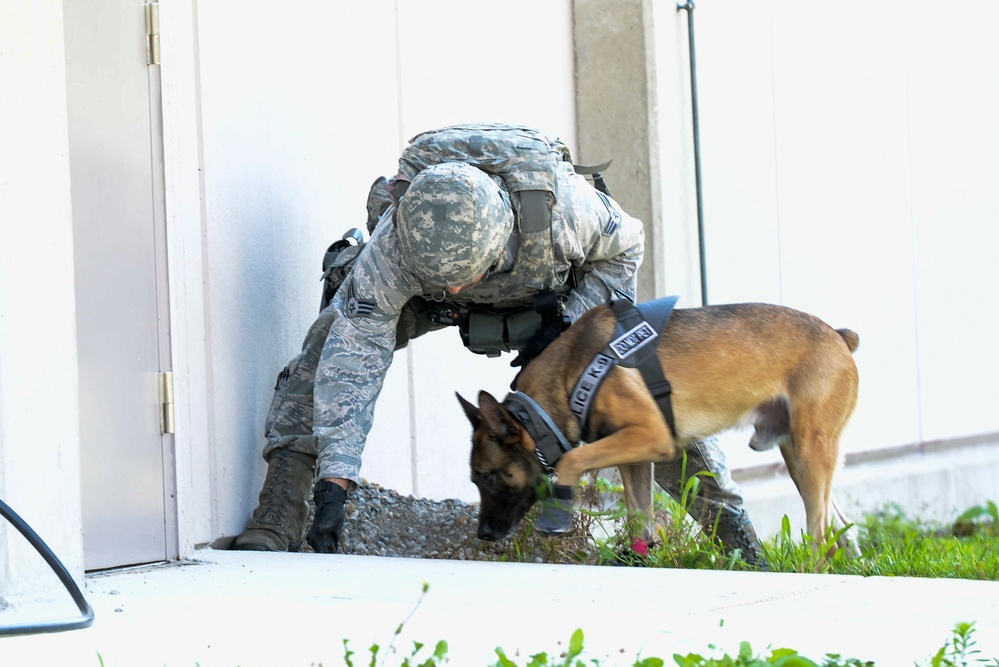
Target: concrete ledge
[230,608]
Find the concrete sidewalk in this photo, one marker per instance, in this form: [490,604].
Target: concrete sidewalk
[230,609]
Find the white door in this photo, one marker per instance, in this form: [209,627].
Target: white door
[115,141]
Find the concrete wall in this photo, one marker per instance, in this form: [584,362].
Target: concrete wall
[846,162]
[39,404]
[846,171]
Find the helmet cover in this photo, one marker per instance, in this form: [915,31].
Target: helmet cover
[452,224]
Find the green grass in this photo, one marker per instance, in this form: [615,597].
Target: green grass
[891,543]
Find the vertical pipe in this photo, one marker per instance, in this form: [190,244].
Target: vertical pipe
[688,6]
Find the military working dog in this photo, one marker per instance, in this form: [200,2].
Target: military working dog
[783,371]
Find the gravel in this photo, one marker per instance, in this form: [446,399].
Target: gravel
[382,522]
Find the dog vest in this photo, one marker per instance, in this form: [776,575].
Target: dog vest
[634,345]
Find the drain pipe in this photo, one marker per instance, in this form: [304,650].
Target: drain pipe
[688,6]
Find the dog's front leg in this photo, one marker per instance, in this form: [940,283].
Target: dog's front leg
[639,443]
[637,480]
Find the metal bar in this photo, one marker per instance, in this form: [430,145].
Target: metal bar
[689,8]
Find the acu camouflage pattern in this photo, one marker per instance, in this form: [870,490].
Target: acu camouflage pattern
[452,224]
[523,157]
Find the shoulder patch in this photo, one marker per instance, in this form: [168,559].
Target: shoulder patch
[355,307]
[614,221]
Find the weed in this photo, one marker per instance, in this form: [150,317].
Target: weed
[438,657]
[981,519]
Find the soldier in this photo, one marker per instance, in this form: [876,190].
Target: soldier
[455,247]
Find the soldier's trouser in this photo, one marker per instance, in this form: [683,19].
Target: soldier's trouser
[718,504]
[291,417]
[717,491]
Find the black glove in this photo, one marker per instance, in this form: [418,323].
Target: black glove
[324,536]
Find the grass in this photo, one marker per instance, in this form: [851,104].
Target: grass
[891,543]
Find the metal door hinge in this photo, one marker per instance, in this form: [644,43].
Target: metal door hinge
[152,33]
[166,402]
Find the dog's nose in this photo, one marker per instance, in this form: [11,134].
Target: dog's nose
[488,533]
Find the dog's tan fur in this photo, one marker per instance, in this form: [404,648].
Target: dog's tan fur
[786,372]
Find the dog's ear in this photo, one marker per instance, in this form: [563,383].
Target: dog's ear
[471,411]
[494,416]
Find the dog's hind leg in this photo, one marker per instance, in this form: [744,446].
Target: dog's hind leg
[637,480]
[812,458]
[822,394]
[810,468]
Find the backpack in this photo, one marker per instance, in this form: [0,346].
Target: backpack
[523,157]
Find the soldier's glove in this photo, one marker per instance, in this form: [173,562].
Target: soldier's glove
[324,536]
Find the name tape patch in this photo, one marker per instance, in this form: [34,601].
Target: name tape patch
[626,344]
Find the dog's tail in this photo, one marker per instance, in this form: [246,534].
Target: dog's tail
[851,339]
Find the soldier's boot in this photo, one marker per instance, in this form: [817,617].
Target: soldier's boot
[279,520]
[734,531]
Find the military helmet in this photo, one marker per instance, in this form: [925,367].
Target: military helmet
[452,224]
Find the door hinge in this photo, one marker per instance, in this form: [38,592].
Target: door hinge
[152,33]
[166,402]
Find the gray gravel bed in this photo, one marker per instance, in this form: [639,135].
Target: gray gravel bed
[382,522]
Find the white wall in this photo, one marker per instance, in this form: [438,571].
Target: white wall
[848,163]
[39,406]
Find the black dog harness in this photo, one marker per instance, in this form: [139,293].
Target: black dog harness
[633,346]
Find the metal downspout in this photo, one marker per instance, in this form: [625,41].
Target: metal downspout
[689,8]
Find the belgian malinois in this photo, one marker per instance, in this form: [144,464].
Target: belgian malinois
[785,372]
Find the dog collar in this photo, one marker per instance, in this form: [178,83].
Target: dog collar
[550,442]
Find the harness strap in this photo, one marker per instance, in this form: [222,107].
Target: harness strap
[654,314]
[550,441]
